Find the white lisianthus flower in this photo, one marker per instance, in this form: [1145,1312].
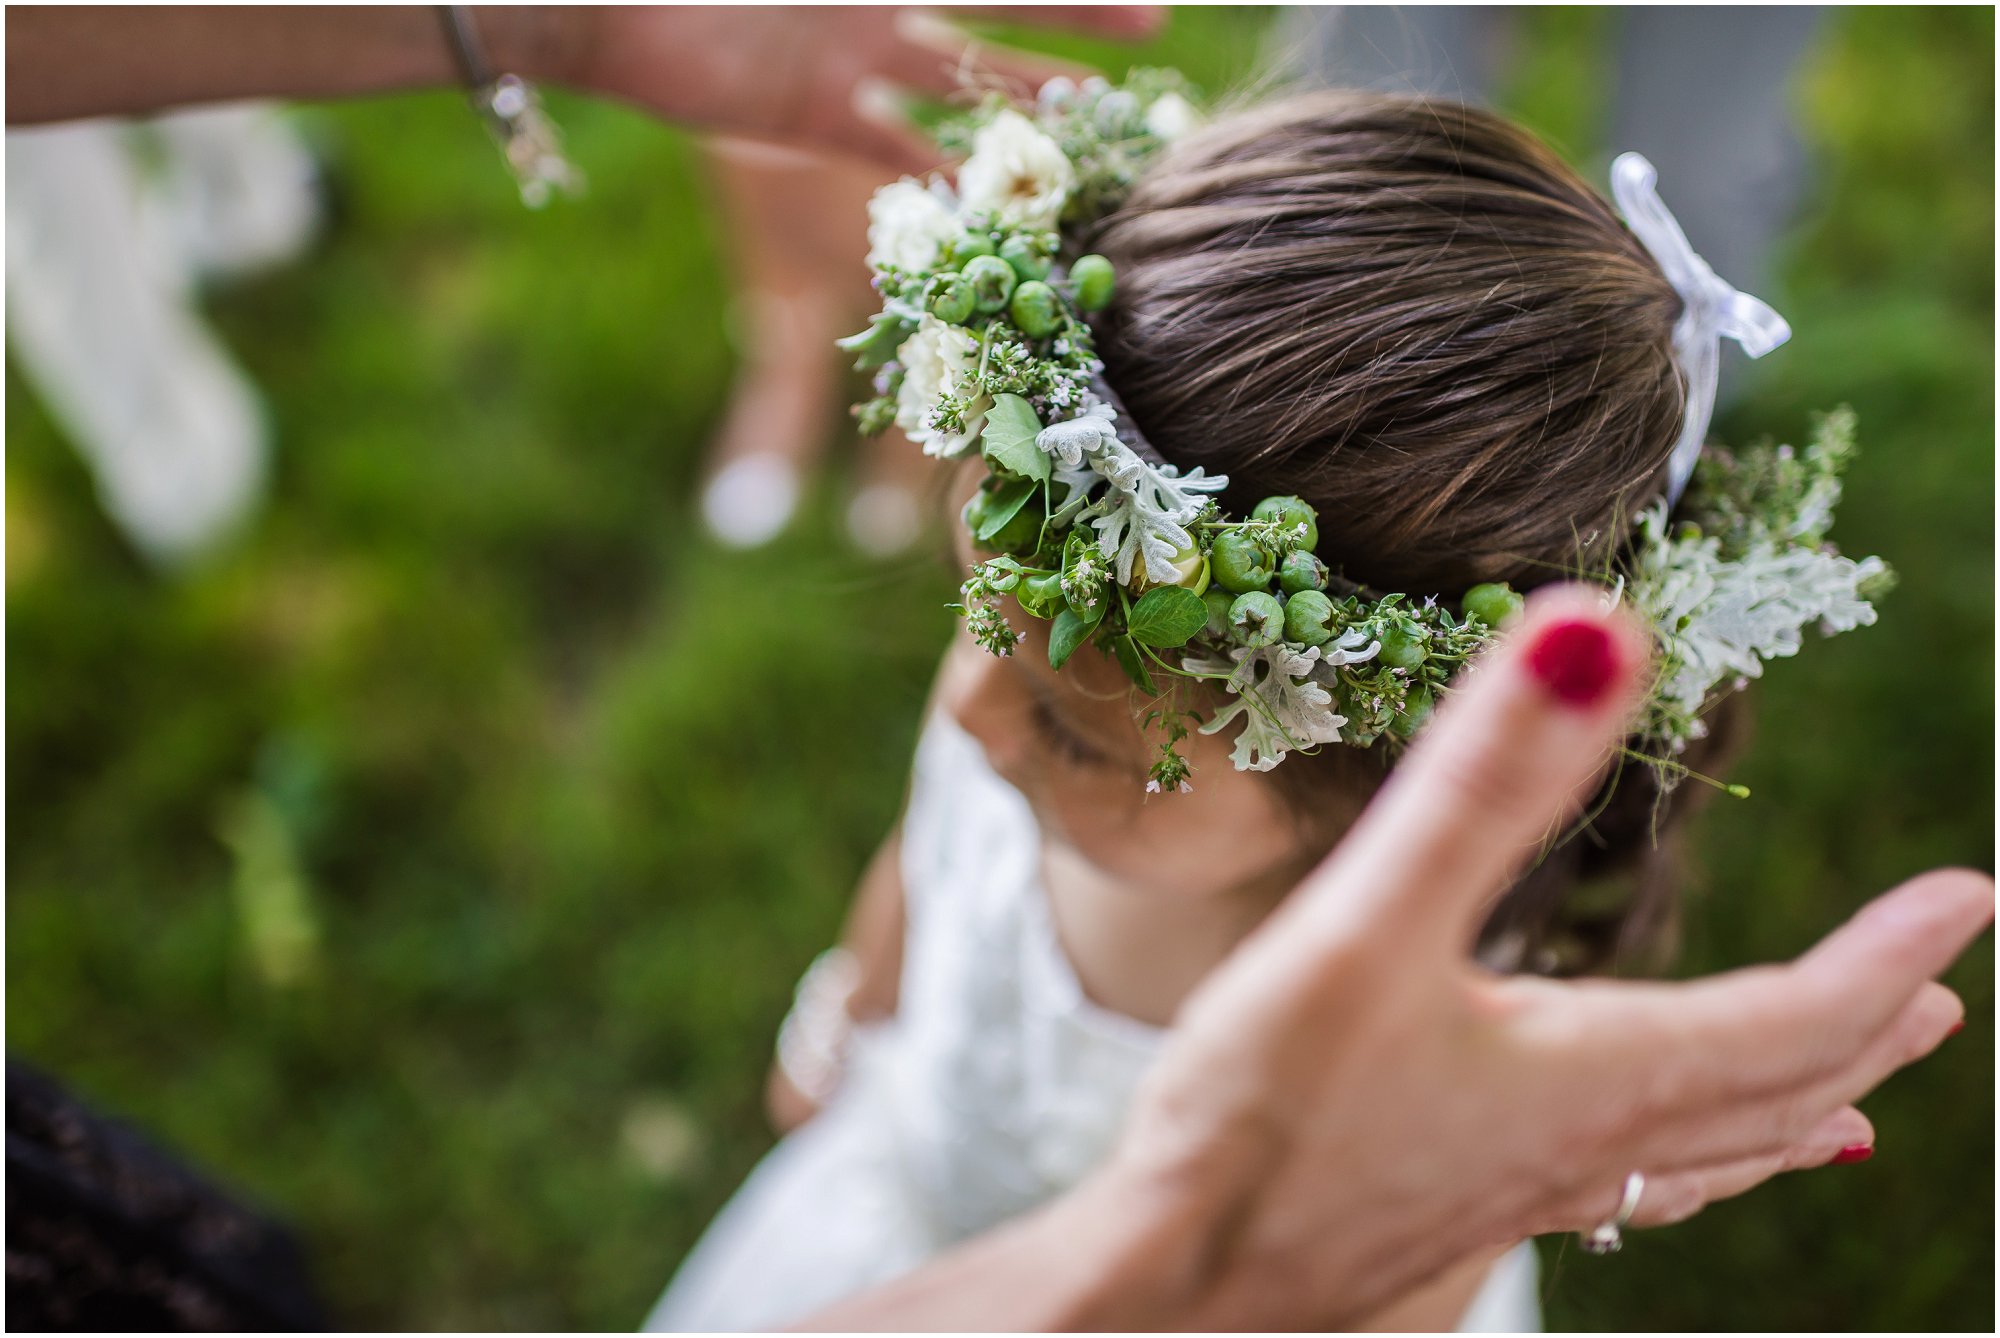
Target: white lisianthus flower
[939,360]
[1016,171]
[1171,116]
[907,225]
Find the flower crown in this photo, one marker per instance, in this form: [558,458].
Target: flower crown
[983,344]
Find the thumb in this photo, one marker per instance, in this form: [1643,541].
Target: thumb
[1510,756]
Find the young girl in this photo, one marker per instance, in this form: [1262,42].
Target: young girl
[1415,319]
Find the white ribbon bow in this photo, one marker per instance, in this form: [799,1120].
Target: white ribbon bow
[1711,310]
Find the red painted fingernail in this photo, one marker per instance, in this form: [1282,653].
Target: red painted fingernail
[1852,1153]
[1576,661]
[1956,1027]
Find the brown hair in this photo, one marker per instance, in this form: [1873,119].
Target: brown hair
[1415,316]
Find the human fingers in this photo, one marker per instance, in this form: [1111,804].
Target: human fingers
[1509,757]
[1676,1195]
[1775,1031]
[1930,1016]
[1127,21]
[880,131]
[941,58]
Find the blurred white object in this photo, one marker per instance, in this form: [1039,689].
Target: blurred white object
[751,500]
[104,252]
[884,519]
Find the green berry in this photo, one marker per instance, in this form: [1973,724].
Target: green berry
[1291,513]
[1493,603]
[1036,310]
[953,303]
[1417,705]
[1301,571]
[1190,567]
[1400,650]
[1306,615]
[970,247]
[1256,619]
[1219,601]
[992,281]
[1025,258]
[1240,562]
[1095,280]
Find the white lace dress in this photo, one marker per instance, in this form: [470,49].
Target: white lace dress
[997,1086]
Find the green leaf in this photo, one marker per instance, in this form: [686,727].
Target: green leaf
[1003,506]
[1167,616]
[1134,663]
[878,343]
[1071,630]
[1008,441]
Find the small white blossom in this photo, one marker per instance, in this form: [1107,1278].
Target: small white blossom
[1171,116]
[908,224]
[939,360]
[1017,172]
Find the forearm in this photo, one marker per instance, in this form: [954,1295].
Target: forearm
[85,60]
[874,933]
[1103,1257]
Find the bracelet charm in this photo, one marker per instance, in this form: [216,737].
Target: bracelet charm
[512,111]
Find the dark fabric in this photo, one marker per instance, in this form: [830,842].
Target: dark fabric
[107,1232]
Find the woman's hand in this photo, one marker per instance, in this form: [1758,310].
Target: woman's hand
[1349,1104]
[813,77]
[816,77]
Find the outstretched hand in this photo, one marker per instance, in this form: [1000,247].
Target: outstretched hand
[1350,1104]
[815,77]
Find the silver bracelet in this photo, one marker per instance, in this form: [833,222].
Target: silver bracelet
[512,110]
[812,1040]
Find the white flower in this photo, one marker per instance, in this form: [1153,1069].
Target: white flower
[1281,706]
[1017,172]
[907,225]
[1171,116]
[939,360]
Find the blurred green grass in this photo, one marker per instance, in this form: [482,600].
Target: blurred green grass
[570,795]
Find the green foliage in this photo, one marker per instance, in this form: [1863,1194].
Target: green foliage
[1009,439]
[474,722]
[1166,617]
